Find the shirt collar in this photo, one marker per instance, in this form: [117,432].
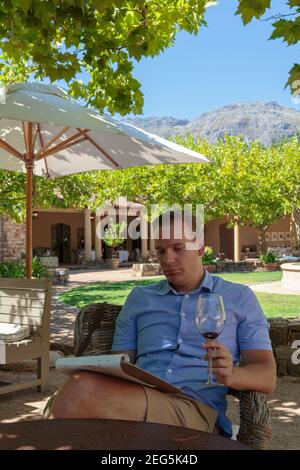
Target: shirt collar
[205,286]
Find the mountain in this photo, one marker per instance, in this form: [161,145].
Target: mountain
[266,122]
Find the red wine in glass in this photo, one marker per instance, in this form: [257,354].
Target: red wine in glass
[210,318]
[210,335]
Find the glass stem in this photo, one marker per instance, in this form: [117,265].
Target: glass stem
[210,373]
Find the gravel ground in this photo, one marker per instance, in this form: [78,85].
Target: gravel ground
[284,405]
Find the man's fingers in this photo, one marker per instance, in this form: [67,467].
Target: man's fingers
[221,363]
[224,354]
[221,371]
[214,345]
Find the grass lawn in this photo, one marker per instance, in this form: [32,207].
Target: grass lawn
[252,278]
[273,305]
[279,305]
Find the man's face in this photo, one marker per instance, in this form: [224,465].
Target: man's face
[180,265]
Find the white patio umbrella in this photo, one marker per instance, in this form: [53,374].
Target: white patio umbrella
[45,132]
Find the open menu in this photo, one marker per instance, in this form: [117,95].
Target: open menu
[116,365]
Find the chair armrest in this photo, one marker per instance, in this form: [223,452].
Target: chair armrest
[255,421]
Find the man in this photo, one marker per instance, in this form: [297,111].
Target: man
[156,327]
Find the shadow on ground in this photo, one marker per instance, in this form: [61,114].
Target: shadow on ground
[284,405]
[285,412]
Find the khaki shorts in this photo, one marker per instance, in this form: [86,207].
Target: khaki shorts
[178,410]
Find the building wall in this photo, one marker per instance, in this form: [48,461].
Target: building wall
[282,229]
[212,234]
[41,227]
[249,235]
[12,239]
[12,235]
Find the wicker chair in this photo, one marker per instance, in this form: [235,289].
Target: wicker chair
[93,334]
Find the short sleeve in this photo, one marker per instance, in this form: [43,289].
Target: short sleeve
[125,337]
[253,329]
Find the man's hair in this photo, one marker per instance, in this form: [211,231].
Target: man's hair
[174,216]
[164,221]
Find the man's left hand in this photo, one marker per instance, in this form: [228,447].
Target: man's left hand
[222,363]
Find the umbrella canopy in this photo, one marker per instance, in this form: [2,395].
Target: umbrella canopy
[45,132]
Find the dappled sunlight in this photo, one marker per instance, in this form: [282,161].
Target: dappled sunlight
[34,411]
[27,405]
[284,406]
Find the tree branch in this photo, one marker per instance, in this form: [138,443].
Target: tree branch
[279,16]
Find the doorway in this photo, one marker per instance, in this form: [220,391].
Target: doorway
[61,242]
[226,241]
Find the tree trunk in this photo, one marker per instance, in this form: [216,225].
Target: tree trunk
[296,219]
[262,241]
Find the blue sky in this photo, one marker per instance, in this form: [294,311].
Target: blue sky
[226,63]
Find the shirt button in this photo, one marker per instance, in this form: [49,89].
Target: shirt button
[180,341]
[183,314]
[187,296]
[169,371]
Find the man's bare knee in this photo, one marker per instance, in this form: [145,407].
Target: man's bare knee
[90,395]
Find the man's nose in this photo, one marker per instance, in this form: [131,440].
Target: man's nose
[169,256]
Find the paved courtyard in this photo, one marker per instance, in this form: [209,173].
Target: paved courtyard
[63,316]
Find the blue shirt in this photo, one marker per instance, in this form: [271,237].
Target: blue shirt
[159,324]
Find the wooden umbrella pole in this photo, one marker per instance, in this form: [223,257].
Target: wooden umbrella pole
[29,172]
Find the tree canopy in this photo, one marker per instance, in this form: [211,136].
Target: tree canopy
[91,44]
[247,183]
[286,27]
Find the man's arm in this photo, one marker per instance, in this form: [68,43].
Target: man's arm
[125,335]
[257,372]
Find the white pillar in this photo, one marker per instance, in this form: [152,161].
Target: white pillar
[87,236]
[144,236]
[237,243]
[152,245]
[98,240]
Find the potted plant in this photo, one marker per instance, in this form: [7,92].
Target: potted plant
[269,261]
[113,237]
[208,260]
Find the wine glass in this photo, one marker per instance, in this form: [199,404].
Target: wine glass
[210,318]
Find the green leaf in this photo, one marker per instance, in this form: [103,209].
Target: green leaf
[294,3]
[248,9]
[294,80]
[288,30]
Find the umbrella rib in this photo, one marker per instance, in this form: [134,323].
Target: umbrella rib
[11,149]
[25,140]
[98,147]
[42,144]
[70,144]
[61,146]
[57,136]
[35,137]
[28,139]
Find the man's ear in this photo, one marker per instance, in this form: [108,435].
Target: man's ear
[201,251]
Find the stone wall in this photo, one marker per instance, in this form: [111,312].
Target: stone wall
[12,239]
[284,332]
[239,266]
[145,269]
